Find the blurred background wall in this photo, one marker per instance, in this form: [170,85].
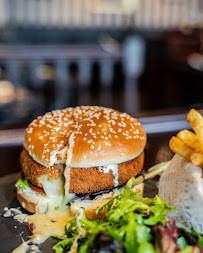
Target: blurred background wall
[132,55]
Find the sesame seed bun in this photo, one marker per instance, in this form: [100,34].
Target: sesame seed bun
[32,202]
[84,137]
[33,170]
[88,148]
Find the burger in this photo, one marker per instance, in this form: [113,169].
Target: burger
[78,157]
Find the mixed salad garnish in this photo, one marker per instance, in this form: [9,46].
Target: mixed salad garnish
[133,224]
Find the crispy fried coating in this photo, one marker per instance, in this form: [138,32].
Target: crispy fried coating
[34,170]
[86,180]
[82,180]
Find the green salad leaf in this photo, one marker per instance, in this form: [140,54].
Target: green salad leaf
[129,219]
[22,184]
[200,238]
[132,224]
[182,242]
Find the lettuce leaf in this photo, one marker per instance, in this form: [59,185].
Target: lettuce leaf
[128,221]
[200,238]
[23,184]
[133,225]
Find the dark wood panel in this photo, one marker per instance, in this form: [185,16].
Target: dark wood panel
[9,157]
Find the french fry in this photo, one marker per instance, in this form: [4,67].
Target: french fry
[188,144]
[199,149]
[182,149]
[197,159]
[189,138]
[196,121]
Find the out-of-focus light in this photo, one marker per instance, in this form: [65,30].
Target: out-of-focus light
[112,6]
[195,61]
[109,44]
[7,92]
[45,72]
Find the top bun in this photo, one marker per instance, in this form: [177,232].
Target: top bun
[84,137]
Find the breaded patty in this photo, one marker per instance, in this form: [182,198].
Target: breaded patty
[86,180]
[82,180]
[34,170]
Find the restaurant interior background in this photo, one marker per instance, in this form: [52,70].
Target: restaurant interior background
[136,56]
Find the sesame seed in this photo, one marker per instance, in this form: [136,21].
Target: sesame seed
[57,126]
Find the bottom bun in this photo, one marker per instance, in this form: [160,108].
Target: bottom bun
[32,202]
[38,203]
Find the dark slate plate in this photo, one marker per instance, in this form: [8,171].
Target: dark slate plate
[12,232]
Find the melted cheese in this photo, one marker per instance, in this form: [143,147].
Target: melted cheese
[54,190]
[114,169]
[57,196]
[49,224]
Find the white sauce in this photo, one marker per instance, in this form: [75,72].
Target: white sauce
[68,196]
[53,158]
[10,212]
[34,249]
[70,148]
[67,170]
[114,169]
[67,179]
[81,233]
[16,214]
[22,218]
[23,248]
